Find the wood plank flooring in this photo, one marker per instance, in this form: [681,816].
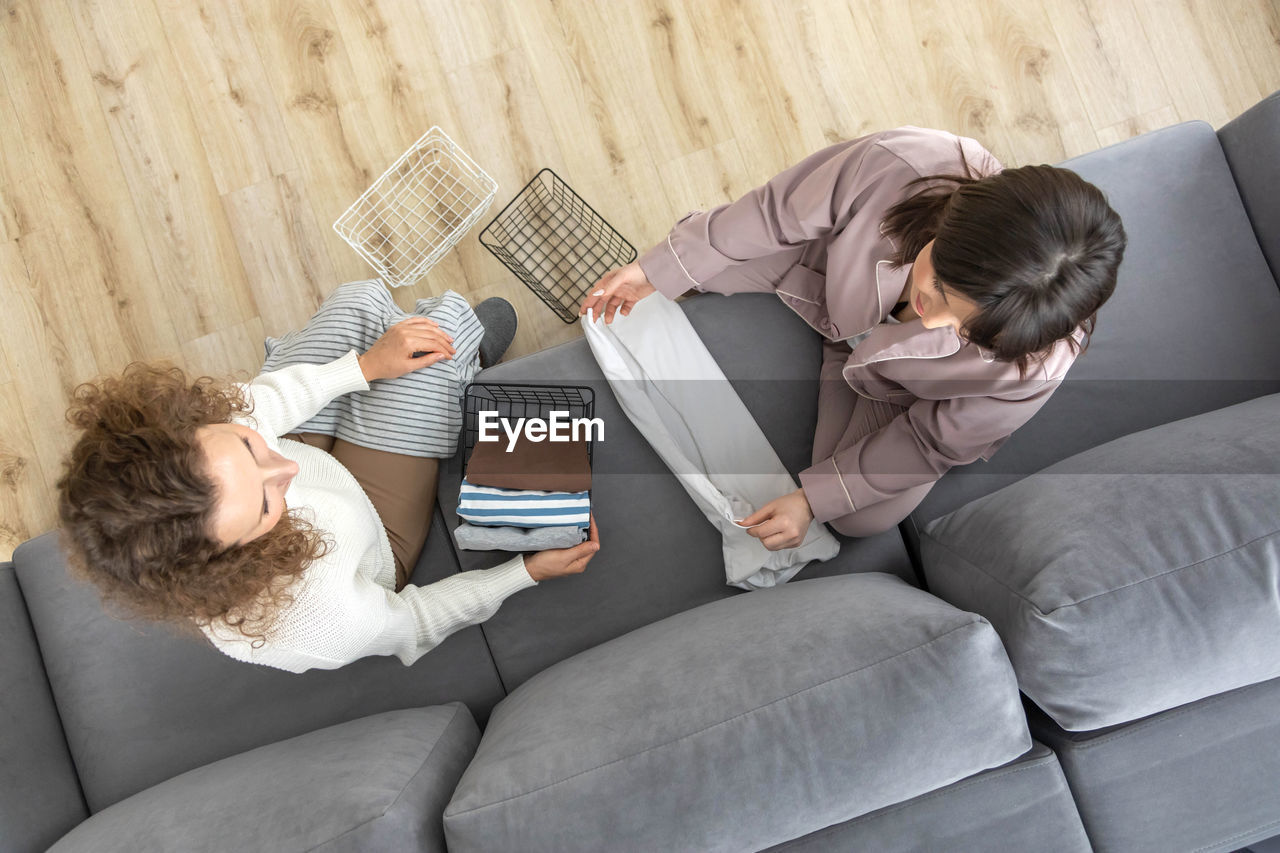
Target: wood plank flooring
[170,169]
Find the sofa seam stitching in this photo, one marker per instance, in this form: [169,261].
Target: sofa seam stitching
[1159,718]
[403,788]
[457,713]
[876,814]
[1198,563]
[924,534]
[1219,845]
[718,724]
[1118,589]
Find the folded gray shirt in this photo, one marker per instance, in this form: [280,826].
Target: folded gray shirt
[474,537]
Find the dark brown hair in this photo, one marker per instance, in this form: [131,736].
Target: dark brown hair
[136,505]
[1035,248]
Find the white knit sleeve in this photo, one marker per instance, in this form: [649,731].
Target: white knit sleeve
[284,398]
[421,617]
[342,620]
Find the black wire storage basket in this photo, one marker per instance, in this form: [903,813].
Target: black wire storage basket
[523,401]
[556,243]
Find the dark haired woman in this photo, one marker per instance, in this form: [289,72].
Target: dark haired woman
[952,296]
[244,512]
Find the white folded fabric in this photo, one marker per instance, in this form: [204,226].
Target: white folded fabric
[677,396]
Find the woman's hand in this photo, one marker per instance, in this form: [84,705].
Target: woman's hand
[781,523]
[618,289]
[559,562]
[393,354]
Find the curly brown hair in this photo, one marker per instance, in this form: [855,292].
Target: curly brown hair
[136,503]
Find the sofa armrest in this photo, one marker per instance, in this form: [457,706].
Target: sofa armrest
[39,793]
[1250,142]
[377,783]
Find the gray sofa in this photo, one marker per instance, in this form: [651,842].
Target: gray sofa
[1094,664]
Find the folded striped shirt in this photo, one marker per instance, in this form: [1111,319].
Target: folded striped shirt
[493,507]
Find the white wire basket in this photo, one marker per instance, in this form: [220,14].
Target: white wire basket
[420,207]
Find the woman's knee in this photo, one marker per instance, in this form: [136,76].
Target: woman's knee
[857,524]
[877,518]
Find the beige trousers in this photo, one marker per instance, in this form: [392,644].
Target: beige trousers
[401,488]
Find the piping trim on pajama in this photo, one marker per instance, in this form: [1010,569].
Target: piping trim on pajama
[840,478]
[676,255]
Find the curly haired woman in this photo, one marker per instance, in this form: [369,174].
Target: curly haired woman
[198,502]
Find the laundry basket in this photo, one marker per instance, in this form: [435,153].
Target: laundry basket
[420,207]
[555,243]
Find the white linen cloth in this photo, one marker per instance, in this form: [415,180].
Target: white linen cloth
[680,401]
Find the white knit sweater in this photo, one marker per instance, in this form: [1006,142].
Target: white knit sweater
[345,606]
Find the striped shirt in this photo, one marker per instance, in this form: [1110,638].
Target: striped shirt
[490,507]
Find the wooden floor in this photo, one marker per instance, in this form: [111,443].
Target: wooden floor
[170,169]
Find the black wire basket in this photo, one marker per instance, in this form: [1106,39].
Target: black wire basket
[523,401]
[556,243]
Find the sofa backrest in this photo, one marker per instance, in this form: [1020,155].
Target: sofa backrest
[39,796]
[140,703]
[1191,326]
[1250,141]
[659,555]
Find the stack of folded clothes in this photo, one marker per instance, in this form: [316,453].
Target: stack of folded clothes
[535,495]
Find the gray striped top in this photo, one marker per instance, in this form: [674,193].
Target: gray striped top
[418,414]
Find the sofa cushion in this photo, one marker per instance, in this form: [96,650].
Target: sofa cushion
[658,554]
[39,795]
[1192,778]
[743,723]
[1025,803]
[1191,326]
[377,783]
[1134,577]
[141,703]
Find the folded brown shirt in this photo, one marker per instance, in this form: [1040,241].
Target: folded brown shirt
[549,466]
